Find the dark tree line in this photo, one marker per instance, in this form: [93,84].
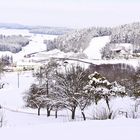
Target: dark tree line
[50,30]
[6,60]
[122,73]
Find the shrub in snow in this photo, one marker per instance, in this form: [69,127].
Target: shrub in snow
[103,114]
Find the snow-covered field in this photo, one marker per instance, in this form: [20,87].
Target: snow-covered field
[90,130]
[22,123]
[11,94]
[11,99]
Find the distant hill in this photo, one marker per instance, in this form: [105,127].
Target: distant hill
[13,26]
[50,30]
[38,29]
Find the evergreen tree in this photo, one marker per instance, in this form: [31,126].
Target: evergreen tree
[101,88]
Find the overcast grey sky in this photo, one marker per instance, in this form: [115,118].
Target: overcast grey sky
[73,13]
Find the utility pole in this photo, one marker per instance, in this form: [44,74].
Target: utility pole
[18,78]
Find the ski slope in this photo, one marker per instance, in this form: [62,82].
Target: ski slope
[95,46]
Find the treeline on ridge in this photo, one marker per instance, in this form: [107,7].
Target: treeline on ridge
[79,40]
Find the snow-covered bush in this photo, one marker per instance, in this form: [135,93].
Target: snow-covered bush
[103,113]
[101,88]
[121,73]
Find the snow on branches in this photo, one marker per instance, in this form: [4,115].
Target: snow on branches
[101,88]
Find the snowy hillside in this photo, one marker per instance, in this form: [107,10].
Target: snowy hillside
[93,51]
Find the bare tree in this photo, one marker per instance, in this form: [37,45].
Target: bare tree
[46,81]
[70,86]
[34,98]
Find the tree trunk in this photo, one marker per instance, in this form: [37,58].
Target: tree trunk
[83,114]
[107,102]
[73,113]
[110,115]
[38,112]
[48,112]
[55,113]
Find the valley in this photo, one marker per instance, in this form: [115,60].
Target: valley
[17,117]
